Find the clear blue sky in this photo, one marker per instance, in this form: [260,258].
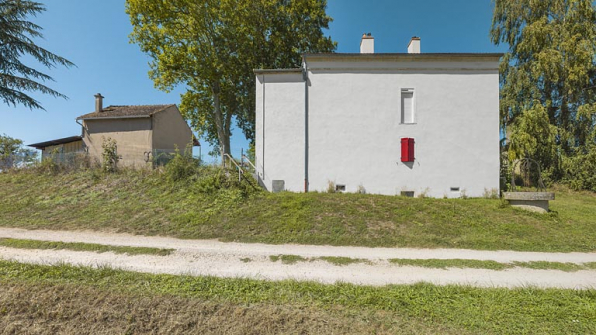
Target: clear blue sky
[94,35]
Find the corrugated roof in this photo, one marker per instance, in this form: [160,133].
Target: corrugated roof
[126,112]
[65,140]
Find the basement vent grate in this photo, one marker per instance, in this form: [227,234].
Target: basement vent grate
[409,194]
[455,189]
[340,188]
[278,186]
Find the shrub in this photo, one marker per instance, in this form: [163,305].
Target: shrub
[182,165]
[580,170]
[109,155]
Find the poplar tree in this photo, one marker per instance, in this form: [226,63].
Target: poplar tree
[212,46]
[16,40]
[548,83]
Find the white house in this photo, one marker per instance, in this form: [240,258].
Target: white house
[400,123]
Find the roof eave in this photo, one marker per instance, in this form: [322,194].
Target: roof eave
[64,140]
[404,56]
[116,117]
[277,71]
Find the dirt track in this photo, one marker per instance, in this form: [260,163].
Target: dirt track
[209,257]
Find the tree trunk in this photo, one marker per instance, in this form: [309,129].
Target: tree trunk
[224,141]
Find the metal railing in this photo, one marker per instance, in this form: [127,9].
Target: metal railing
[248,161]
[231,159]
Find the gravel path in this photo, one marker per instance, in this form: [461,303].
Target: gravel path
[210,257]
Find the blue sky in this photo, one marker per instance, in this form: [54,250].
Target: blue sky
[94,35]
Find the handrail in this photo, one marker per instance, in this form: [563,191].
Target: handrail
[240,170]
[249,162]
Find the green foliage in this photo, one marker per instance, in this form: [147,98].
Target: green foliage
[35,244]
[212,47]
[109,155]
[214,204]
[16,40]
[182,166]
[459,309]
[340,261]
[13,154]
[580,169]
[288,259]
[548,80]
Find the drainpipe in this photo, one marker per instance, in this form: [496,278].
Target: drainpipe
[305,76]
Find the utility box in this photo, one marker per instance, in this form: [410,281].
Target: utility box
[407,149]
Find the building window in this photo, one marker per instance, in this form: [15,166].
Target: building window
[407,106]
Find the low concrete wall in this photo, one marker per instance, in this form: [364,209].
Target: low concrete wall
[532,201]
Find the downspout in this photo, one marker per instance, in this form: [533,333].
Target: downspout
[305,77]
[82,135]
[263,131]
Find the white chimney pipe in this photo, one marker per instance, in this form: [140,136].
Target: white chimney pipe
[98,103]
[367,44]
[414,45]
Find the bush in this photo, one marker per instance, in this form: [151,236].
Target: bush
[580,170]
[109,155]
[182,166]
[214,179]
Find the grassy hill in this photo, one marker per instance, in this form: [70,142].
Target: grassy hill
[209,204]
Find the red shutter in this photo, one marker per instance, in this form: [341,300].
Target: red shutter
[407,149]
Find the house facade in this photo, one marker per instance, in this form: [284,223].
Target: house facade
[141,132]
[412,123]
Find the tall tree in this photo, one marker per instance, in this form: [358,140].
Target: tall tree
[16,40]
[548,79]
[212,47]
[12,153]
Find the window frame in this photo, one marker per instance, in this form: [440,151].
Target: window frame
[402,115]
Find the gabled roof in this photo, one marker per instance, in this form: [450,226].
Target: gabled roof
[65,140]
[123,112]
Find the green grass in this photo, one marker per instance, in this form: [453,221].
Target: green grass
[420,308]
[451,263]
[491,265]
[35,244]
[342,260]
[542,265]
[146,202]
[288,259]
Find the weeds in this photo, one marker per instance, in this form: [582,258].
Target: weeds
[288,259]
[425,308]
[35,244]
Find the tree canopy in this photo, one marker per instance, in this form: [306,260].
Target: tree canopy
[16,40]
[212,47]
[13,154]
[548,82]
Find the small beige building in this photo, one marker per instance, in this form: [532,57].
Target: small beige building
[142,133]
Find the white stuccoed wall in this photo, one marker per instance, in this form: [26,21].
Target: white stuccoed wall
[279,133]
[355,130]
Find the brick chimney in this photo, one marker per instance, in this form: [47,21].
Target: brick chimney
[414,45]
[98,103]
[367,44]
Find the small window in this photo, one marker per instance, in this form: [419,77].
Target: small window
[407,105]
[340,188]
[455,189]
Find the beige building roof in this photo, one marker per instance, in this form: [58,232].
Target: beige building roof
[125,112]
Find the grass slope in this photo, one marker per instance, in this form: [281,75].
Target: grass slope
[145,202]
[114,301]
